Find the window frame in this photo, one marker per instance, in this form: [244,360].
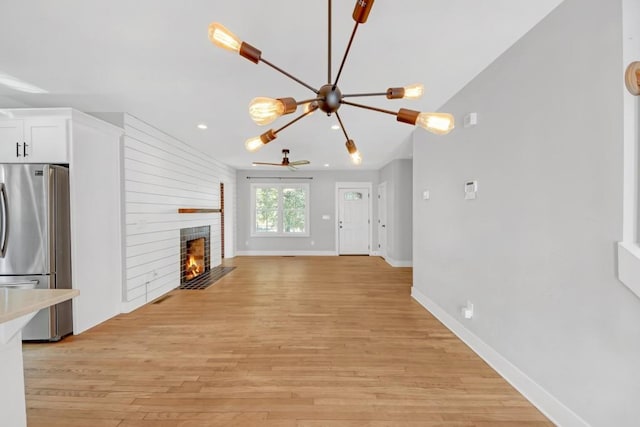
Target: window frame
[280,210]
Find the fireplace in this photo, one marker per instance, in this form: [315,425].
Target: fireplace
[194,254]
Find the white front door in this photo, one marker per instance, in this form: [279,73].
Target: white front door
[353,221]
[382,220]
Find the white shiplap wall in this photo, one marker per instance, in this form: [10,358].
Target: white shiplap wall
[162,174]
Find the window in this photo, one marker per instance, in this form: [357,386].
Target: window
[353,195]
[280,209]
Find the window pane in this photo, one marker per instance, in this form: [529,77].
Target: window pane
[294,221]
[353,195]
[266,210]
[266,221]
[294,198]
[294,213]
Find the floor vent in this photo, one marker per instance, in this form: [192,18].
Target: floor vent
[161,299]
[206,280]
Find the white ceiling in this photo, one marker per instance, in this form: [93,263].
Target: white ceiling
[152,59]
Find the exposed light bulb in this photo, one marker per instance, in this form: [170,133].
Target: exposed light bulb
[310,107]
[414,91]
[265,110]
[222,37]
[438,123]
[356,157]
[253,144]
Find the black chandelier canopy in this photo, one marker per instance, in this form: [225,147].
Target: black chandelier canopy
[328,97]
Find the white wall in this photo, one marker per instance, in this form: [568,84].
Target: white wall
[536,251]
[398,175]
[162,174]
[96,229]
[321,240]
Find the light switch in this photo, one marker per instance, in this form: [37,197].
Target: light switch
[326,217]
[470,120]
[426,195]
[470,190]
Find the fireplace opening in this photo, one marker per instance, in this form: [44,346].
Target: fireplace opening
[195,257]
[194,262]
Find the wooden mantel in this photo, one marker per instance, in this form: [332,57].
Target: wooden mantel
[198,210]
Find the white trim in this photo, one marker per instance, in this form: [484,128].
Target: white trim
[629,247]
[286,253]
[629,266]
[355,185]
[382,249]
[557,412]
[398,263]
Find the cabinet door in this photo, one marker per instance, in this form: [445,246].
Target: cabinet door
[11,140]
[46,139]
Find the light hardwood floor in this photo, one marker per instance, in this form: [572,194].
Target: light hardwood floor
[280,341]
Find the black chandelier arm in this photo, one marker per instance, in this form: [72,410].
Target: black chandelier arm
[342,126]
[346,53]
[354,95]
[367,107]
[280,70]
[300,117]
[329,46]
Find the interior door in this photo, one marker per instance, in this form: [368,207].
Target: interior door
[382,219]
[353,221]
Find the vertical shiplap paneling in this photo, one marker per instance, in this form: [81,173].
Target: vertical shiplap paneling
[161,175]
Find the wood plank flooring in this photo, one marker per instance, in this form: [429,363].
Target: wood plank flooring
[280,341]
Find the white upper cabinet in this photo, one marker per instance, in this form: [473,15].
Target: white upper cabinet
[34,140]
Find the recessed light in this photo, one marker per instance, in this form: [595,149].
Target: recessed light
[202,126]
[326,165]
[335,127]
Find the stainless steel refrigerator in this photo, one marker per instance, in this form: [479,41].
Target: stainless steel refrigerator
[35,242]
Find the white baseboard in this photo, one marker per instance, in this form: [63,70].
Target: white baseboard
[396,263]
[286,253]
[557,412]
[129,306]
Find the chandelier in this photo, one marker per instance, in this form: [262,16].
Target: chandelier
[328,98]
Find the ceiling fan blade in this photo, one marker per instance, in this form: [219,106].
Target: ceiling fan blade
[291,167]
[300,162]
[266,164]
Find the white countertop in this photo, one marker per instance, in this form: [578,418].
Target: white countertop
[18,302]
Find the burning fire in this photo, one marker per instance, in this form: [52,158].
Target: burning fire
[193,268]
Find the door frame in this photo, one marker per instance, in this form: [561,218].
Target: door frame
[383,207]
[359,185]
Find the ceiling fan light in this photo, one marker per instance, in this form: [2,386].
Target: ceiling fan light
[438,123]
[265,110]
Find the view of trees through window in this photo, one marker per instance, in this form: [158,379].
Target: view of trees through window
[280,209]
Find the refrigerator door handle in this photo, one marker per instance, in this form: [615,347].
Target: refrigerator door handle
[4,220]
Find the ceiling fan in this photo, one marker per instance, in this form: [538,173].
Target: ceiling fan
[328,98]
[285,161]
